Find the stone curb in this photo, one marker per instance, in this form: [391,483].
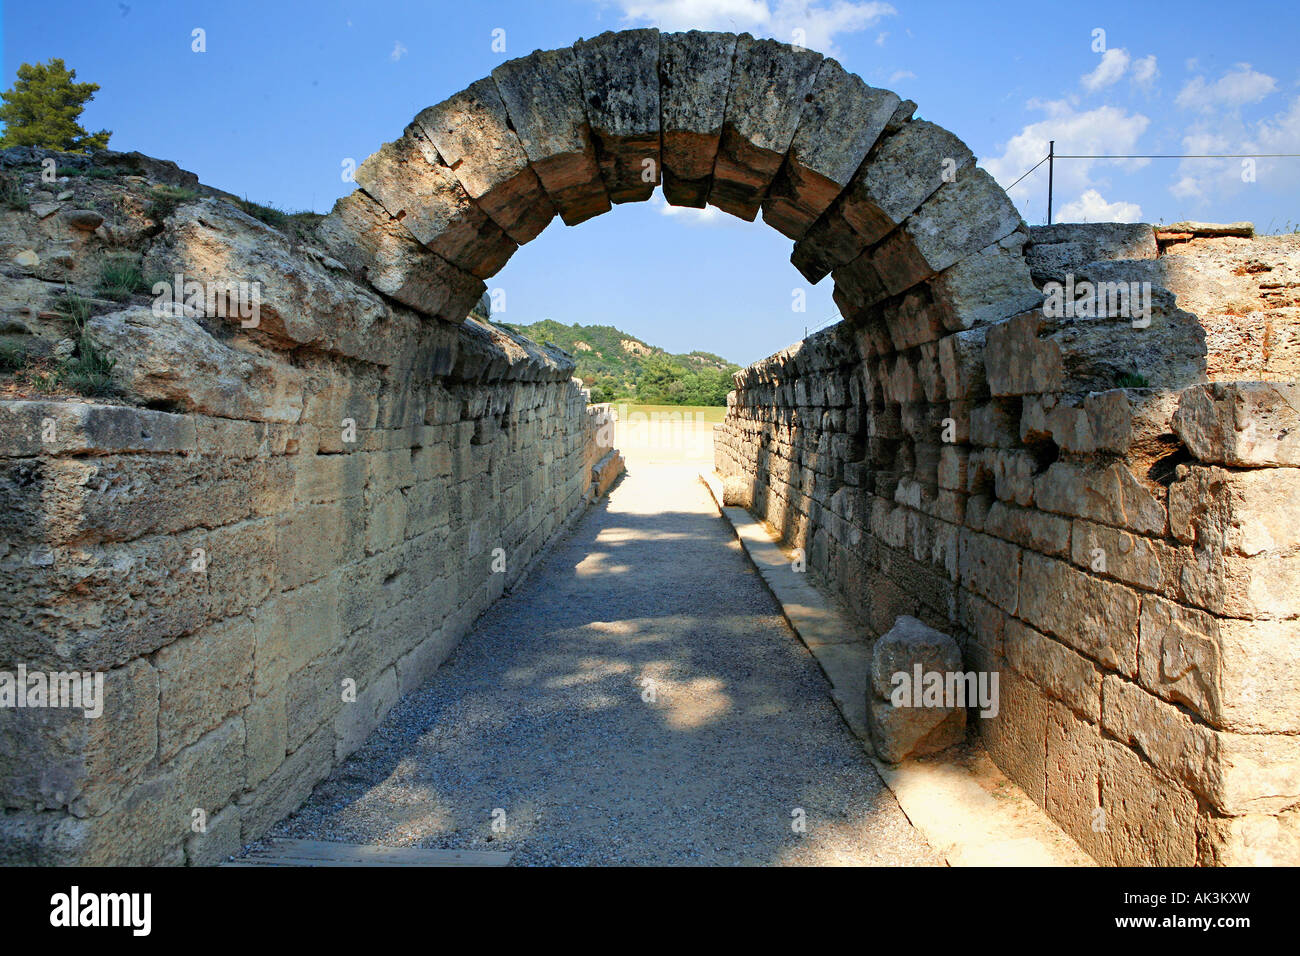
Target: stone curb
[963,805]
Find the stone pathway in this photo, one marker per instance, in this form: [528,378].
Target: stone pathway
[541,719]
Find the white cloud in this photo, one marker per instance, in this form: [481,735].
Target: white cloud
[1091,207]
[1207,180]
[1145,71]
[880,38]
[398,51]
[708,216]
[1106,129]
[1108,71]
[899,75]
[1237,87]
[819,22]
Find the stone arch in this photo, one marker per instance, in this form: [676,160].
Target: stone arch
[920,242]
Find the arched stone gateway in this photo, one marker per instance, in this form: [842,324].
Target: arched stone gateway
[1086,498]
[1025,479]
[920,241]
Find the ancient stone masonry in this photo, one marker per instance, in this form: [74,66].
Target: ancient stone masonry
[1099,504]
[1125,558]
[291,527]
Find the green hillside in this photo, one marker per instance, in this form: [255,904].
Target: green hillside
[617,366]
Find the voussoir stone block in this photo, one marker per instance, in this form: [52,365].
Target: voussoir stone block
[472,134]
[411,181]
[902,172]
[840,122]
[914,727]
[620,87]
[961,218]
[362,235]
[542,93]
[694,75]
[760,124]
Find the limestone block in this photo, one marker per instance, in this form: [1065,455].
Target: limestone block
[203,679]
[904,170]
[1257,839]
[1245,424]
[1095,617]
[472,134]
[767,77]
[620,87]
[1242,512]
[361,234]
[1073,788]
[986,286]
[286,789]
[169,358]
[1062,248]
[1130,558]
[1108,495]
[267,729]
[1016,737]
[1029,528]
[840,122]
[542,93]
[694,75]
[1137,421]
[1064,674]
[1110,339]
[98,606]
[55,428]
[306,298]
[1149,820]
[52,758]
[240,567]
[991,568]
[914,728]
[959,219]
[219,841]
[409,178]
[313,540]
[1018,361]
[358,719]
[150,825]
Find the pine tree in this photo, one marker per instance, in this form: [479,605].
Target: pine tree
[42,110]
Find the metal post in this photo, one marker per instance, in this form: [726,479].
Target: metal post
[1051,162]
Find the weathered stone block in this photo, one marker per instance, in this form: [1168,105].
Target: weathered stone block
[841,120]
[767,77]
[620,87]
[1097,618]
[542,93]
[409,178]
[1246,424]
[203,679]
[694,75]
[362,234]
[1149,820]
[1064,674]
[472,134]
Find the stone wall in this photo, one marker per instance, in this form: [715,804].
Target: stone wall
[298,531]
[1127,559]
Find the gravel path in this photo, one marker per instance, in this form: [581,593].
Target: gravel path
[540,715]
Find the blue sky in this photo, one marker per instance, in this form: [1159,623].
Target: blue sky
[286,92]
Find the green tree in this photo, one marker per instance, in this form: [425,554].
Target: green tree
[43,107]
